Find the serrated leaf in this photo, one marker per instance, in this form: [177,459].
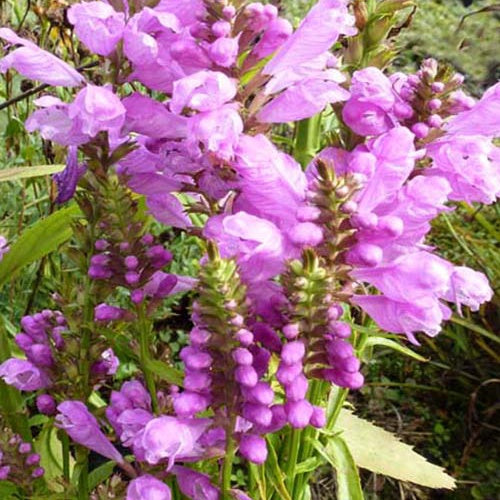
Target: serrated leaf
[394,345]
[382,452]
[337,454]
[16,173]
[40,239]
[165,372]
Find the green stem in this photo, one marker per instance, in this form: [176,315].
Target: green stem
[292,457]
[65,454]
[316,397]
[83,479]
[144,356]
[335,403]
[306,142]
[227,468]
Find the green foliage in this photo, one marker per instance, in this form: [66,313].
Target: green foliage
[40,239]
[439,30]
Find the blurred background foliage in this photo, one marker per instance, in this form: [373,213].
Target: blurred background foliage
[448,407]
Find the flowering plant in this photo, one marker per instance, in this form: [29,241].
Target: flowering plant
[314,246]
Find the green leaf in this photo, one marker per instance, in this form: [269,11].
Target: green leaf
[394,345]
[100,474]
[309,465]
[40,239]
[49,447]
[382,452]
[14,174]
[337,454]
[8,490]
[275,474]
[165,372]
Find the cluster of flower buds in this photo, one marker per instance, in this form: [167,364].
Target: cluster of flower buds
[434,94]
[131,265]
[40,340]
[51,354]
[18,462]
[224,366]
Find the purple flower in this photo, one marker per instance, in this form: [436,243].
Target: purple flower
[202,91]
[107,365]
[152,118]
[195,485]
[46,404]
[168,210]
[469,288]
[218,130]
[224,51]
[37,64]
[471,164]
[97,25]
[105,312]
[147,487]
[67,180]
[482,119]
[23,375]
[99,109]
[256,243]
[54,123]
[172,438]
[316,34]
[404,317]
[272,185]
[302,100]
[83,428]
[253,448]
[369,110]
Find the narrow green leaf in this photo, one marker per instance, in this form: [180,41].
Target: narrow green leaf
[308,465]
[40,239]
[394,345]
[275,474]
[475,328]
[382,452]
[16,173]
[100,474]
[165,372]
[337,454]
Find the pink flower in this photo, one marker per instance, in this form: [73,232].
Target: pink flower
[97,25]
[23,375]
[202,91]
[147,487]
[318,31]
[36,63]
[302,100]
[83,428]
[99,109]
[172,438]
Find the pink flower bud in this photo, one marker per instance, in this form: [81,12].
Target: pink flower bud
[253,448]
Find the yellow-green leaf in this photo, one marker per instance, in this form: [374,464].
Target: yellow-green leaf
[16,173]
[382,452]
